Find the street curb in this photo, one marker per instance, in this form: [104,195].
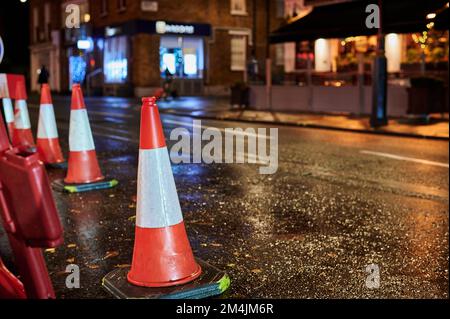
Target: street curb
[306,125]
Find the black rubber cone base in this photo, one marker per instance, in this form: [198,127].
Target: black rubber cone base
[212,282]
[62,165]
[59,185]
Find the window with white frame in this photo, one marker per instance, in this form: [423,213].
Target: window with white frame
[47,10]
[238,7]
[104,7]
[121,5]
[238,52]
[36,24]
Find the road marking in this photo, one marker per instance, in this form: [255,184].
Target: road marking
[219,128]
[404,158]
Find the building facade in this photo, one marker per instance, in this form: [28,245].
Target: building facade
[128,47]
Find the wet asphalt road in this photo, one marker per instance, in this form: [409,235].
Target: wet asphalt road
[308,231]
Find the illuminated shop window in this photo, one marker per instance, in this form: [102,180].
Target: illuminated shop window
[182,57]
[238,53]
[238,7]
[116,60]
[190,64]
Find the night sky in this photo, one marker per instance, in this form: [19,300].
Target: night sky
[14,30]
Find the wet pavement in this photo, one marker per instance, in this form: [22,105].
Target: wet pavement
[336,205]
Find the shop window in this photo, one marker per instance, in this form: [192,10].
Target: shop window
[238,7]
[115,60]
[280,8]
[121,5]
[181,57]
[36,24]
[104,8]
[47,9]
[238,53]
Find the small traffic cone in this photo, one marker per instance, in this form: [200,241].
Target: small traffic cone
[83,173]
[162,256]
[9,116]
[4,140]
[22,135]
[47,137]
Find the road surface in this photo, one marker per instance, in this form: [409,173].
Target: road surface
[339,202]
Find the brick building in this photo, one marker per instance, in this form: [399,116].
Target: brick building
[126,47]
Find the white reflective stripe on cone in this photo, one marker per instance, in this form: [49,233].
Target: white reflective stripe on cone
[47,122]
[8,109]
[157,198]
[80,134]
[21,117]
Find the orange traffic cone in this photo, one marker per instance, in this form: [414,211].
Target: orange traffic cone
[47,137]
[22,135]
[162,253]
[162,256]
[83,165]
[83,171]
[9,116]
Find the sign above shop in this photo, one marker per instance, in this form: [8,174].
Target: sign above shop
[149,6]
[163,27]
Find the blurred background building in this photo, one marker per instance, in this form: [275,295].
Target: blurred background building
[319,52]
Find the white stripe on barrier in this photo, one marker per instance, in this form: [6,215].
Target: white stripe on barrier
[157,198]
[8,109]
[80,134]
[47,122]
[21,117]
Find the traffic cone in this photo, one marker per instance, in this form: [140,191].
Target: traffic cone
[47,137]
[83,171]
[9,116]
[22,135]
[162,256]
[162,253]
[4,140]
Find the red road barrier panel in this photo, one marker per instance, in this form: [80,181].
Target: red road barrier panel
[8,92]
[8,85]
[31,223]
[10,286]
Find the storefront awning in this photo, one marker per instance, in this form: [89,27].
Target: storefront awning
[349,19]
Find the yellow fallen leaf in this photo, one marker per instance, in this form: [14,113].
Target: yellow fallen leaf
[256,271]
[92,266]
[110,254]
[50,250]
[122,266]
[71,245]
[70,260]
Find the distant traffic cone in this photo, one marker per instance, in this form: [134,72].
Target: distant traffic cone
[83,171]
[47,137]
[22,135]
[9,116]
[83,165]
[162,256]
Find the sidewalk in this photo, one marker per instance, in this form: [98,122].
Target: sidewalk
[219,108]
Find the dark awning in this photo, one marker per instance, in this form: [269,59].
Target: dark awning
[348,19]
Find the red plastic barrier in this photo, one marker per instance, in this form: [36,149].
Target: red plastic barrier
[30,218]
[35,217]
[10,286]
